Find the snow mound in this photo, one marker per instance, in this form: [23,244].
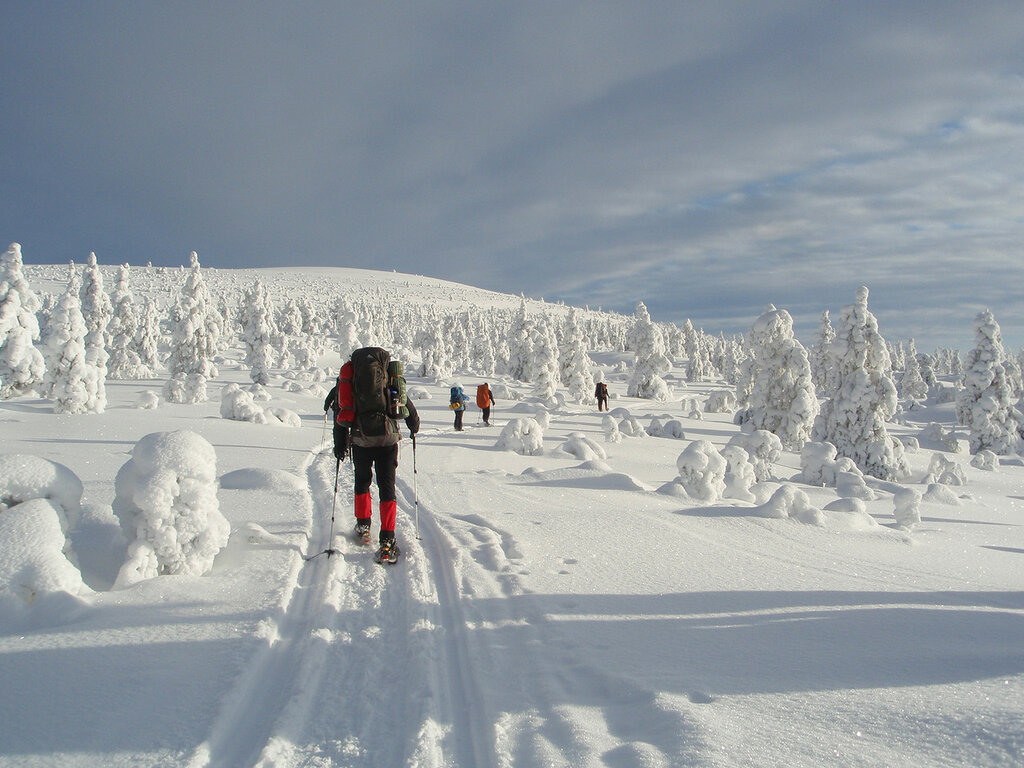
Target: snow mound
[33,567]
[944,471]
[849,514]
[582,447]
[907,503]
[282,417]
[590,475]
[672,428]
[985,460]
[721,401]
[764,448]
[24,477]
[258,478]
[147,401]
[165,497]
[937,493]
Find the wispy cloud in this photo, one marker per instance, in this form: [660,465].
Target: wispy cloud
[706,158]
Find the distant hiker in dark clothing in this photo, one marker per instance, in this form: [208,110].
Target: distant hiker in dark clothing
[484,401]
[601,393]
[366,425]
[458,404]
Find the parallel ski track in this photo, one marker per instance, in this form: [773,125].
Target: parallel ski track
[274,677]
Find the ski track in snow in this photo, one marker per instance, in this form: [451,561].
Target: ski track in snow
[370,665]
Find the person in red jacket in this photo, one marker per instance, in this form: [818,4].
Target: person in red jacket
[484,401]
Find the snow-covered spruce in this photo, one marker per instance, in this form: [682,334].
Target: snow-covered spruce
[985,404]
[763,449]
[854,418]
[782,398]
[165,498]
[21,364]
[651,362]
[702,471]
[76,381]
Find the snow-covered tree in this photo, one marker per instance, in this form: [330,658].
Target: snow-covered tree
[650,362]
[22,366]
[575,361]
[912,383]
[195,332]
[76,381]
[823,367]
[782,400]
[520,345]
[854,418]
[124,361]
[985,403]
[545,369]
[147,340]
[258,331]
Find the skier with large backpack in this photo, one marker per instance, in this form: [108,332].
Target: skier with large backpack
[458,404]
[368,400]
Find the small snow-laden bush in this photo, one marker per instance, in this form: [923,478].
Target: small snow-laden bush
[147,400]
[944,471]
[739,474]
[583,448]
[260,393]
[503,392]
[523,436]
[907,503]
[702,470]
[611,429]
[416,392]
[817,463]
[790,501]
[937,493]
[672,428]
[720,401]
[851,484]
[910,444]
[165,498]
[542,417]
[24,477]
[985,460]
[630,427]
[238,404]
[936,436]
[186,388]
[33,563]
[764,449]
[283,417]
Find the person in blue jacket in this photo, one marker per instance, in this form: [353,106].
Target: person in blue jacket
[458,404]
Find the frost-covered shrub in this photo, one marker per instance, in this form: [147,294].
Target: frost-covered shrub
[416,392]
[907,504]
[504,392]
[524,436]
[937,493]
[165,497]
[282,416]
[763,447]
[702,470]
[147,400]
[720,401]
[24,477]
[790,501]
[33,562]
[583,448]
[671,428]
[910,444]
[542,417]
[630,427]
[817,463]
[944,471]
[739,474]
[851,485]
[187,388]
[239,405]
[611,429]
[985,460]
[937,436]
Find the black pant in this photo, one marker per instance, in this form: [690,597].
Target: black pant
[385,460]
[487,415]
[458,419]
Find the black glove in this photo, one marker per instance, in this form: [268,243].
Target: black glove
[340,451]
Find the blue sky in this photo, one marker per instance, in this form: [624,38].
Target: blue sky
[706,158]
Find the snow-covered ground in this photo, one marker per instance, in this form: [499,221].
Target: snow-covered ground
[552,609]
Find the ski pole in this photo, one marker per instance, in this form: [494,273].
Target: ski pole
[415,495]
[323,433]
[337,470]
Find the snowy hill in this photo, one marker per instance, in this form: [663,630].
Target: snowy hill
[573,607]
